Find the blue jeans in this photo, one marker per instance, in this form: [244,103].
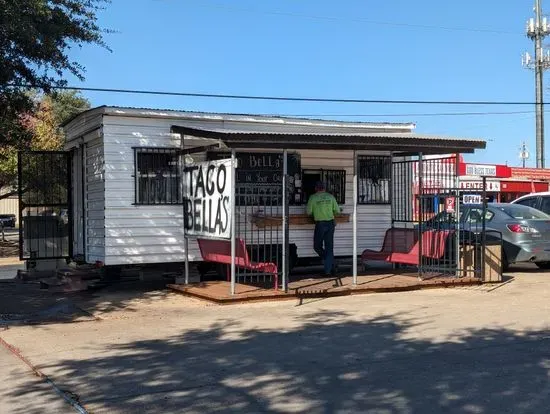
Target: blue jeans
[324,234]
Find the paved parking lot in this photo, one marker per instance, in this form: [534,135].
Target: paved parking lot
[446,350]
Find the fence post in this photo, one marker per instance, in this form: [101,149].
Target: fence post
[420,210]
[355,189]
[233,220]
[483,226]
[457,214]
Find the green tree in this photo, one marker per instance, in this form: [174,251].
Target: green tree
[35,38]
[44,128]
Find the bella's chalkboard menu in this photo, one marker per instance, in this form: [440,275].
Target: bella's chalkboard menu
[260,174]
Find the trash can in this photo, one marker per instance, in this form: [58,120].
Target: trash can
[44,236]
[493,259]
[471,257]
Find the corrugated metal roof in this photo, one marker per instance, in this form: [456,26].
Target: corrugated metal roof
[331,132]
[332,138]
[251,118]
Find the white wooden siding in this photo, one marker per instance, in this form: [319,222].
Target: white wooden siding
[95,201]
[10,205]
[152,234]
[136,234]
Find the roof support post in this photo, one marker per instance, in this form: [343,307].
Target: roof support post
[233,220]
[185,237]
[285,222]
[355,190]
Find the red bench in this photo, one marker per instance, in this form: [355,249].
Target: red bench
[219,251]
[433,247]
[396,240]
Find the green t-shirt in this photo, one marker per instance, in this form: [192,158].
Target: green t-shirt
[322,206]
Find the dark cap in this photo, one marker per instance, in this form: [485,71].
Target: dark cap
[319,185]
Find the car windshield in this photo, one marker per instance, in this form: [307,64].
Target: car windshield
[520,212]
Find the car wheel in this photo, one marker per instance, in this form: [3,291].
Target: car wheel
[543,265]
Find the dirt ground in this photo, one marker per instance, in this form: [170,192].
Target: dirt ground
[9,248]
[144,349]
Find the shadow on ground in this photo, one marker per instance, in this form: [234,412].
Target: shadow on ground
[26,303]
[327,364]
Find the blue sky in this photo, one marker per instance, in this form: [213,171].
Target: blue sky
[321,48]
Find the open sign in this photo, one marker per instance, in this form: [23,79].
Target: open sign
[471,198]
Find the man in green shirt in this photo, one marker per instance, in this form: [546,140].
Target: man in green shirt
[323,206]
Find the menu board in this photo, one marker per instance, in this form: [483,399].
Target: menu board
[259,176]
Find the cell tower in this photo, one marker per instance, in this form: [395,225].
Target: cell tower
[537,29]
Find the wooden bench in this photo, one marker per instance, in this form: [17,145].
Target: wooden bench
[396,240]
[433,247]
[219,251]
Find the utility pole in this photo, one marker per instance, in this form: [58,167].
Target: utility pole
[537,29]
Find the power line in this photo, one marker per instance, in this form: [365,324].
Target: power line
[282,98]
[419,114]
[357,19]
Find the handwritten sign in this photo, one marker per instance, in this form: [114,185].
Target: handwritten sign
[259,176]
[207,196]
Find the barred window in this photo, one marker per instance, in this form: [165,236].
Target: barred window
[374,179]
[334,180]
[157,176]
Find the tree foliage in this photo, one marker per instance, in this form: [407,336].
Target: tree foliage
[35,39]
[44,128]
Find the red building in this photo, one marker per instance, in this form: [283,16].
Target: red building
[508,183]
[504,183]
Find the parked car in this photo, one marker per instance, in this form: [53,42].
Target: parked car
[525,230]
[540,201]
[8,220]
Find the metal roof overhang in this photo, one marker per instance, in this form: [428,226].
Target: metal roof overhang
[398,143]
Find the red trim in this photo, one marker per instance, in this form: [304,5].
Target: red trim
[522,187]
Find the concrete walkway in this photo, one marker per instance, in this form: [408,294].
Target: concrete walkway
[23,392]
[467,350]
[9,267]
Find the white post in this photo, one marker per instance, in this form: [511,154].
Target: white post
[285,221]
[185,239]
[186,247]
[233,221]
[355,190]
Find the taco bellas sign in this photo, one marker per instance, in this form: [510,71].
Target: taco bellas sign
[207,196]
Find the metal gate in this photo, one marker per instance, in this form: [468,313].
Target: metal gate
[45,214]
[259,223]
[427,198]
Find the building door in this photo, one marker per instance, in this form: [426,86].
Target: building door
[78,201]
